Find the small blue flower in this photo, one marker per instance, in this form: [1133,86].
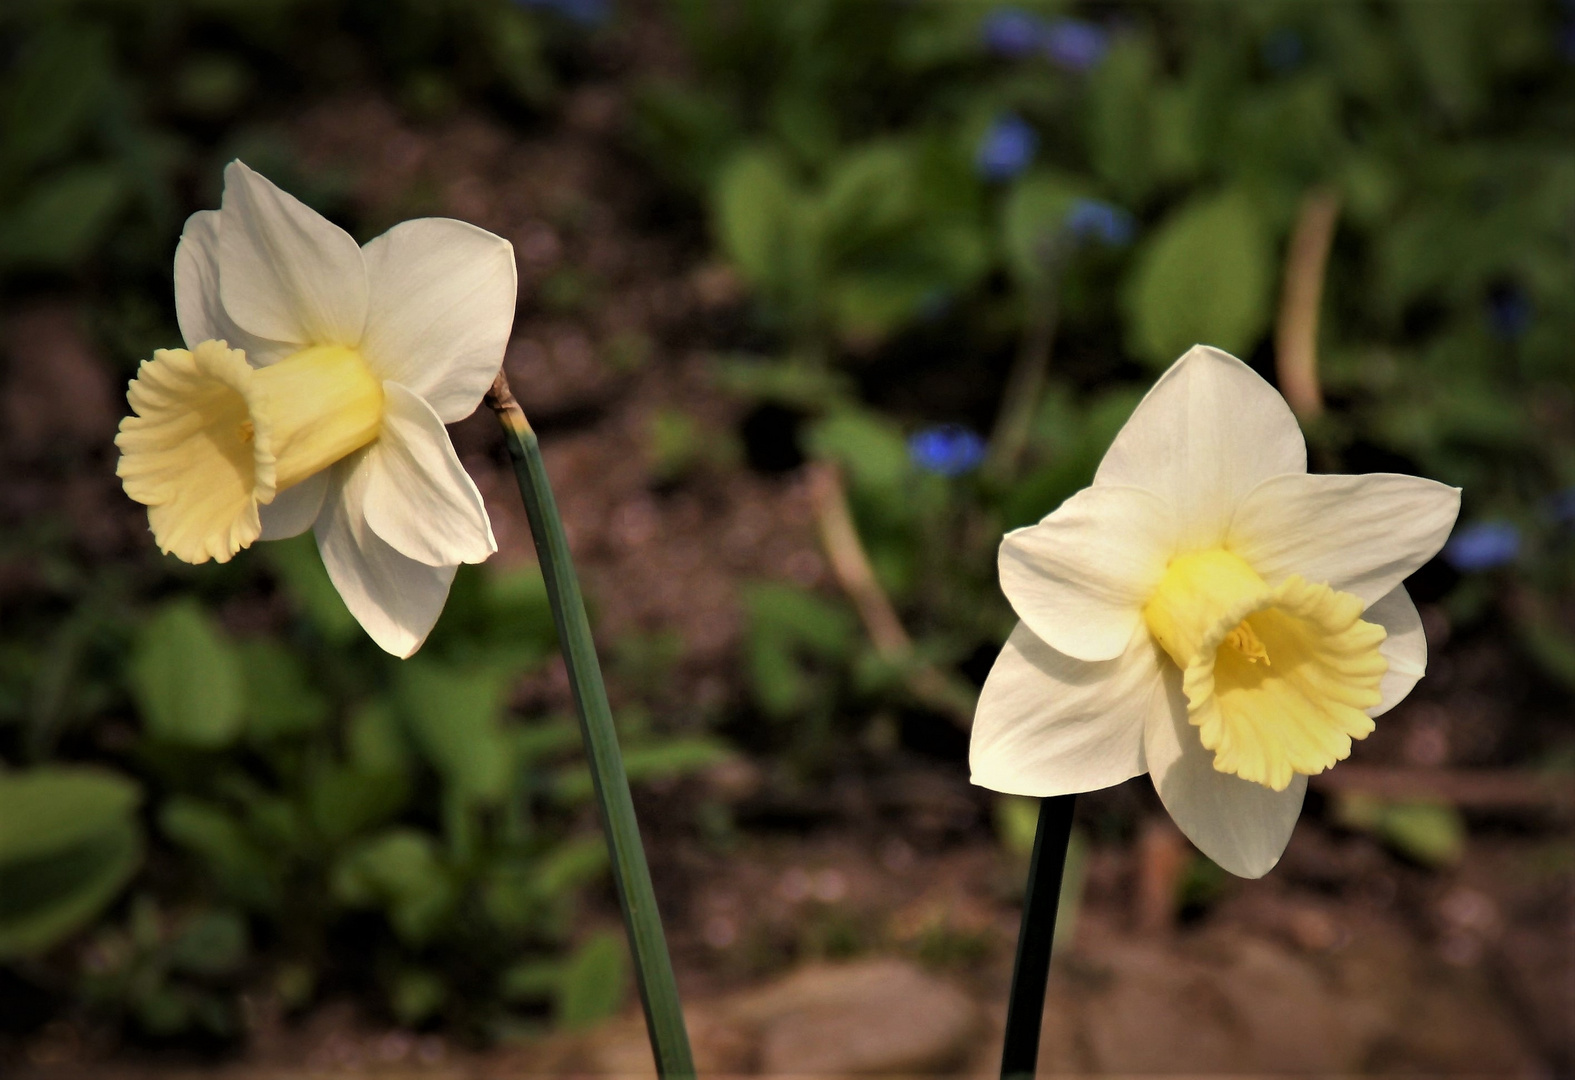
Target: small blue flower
[1013,33]
[1075,45]
[1561,506]
[583,12]
[1283,49]
[1508,312]
[1007,148]
[1483,545]
[1090,219]
[948,449]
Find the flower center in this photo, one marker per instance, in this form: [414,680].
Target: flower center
[1276,677]
[213,439]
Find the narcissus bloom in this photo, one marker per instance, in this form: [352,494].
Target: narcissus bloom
[312,393]
[1209,613]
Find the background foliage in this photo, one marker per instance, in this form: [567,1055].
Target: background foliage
[906,191]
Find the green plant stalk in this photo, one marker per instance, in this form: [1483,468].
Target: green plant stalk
[1031,970]
[1024,387]
[653,968]
[1026,383]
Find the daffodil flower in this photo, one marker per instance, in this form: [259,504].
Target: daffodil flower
[1209,613]
[312,394]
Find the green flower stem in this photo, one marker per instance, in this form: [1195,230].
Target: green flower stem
[1031,971]
[1025,385]
[653,968]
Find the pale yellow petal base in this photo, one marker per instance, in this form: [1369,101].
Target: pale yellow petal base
[213,439]
[1276,678]
[194,454]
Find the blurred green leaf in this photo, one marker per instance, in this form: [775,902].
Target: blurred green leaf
[516,47]
[543,740]
[593,982]
[187,679]
[1121,95]
[61,217]
[669,758]
[54,807]
[532,980]
[869,194]
[346,801]
[570,864]
[801,617]
[1017,823]
[1447,43]
[48,97]
[1205,277]
[456,718]
[690,135]
[783,622]
[212,942]
[280,701]
[301,570]
[1069,903]
[401,872]
[866,444]
[761,224]
[414,994]
[674,444]
[1430,833]
[68,843]
[1551,646]
[240,866]
[212,84]
[375,741]
[1033,224]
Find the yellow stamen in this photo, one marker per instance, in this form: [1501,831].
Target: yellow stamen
[1244,641]
[1277,677]
[213,439]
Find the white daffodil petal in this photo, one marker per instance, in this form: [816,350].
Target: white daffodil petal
[287,273]
[441,307]
[1242,826]
[1080,577]
[1050,725]
[197,306]
[1405,648]
[395,599]
[418,497]
[295,509]
[1359,534]
[1208,432]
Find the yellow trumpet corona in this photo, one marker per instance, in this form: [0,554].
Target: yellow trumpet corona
[1276,678]
[212,439]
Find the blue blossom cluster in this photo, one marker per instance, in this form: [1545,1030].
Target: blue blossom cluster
[1071,44]
[1509,312]
[1283,50]
[583,12]
[1483,545]
[1561,506]
[947,449]
[1008,147]
[1091,219]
